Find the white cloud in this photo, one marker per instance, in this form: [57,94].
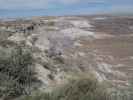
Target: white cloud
[44,4]
[121,8]
[70,1]
[23,4]
[37,4]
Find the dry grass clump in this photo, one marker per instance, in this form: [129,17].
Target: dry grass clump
[77,89]
[81,87]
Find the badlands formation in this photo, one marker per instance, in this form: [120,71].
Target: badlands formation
[102,45]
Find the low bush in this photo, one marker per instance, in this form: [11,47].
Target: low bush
[79,89]
[50,23]
[16,73]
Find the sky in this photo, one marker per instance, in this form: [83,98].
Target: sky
[14,8]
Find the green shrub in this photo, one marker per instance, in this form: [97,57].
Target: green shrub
[122,94]
[16,73]
[51,23]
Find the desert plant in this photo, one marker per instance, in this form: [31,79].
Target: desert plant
[51,23]
[125,93]
[79,89]
[17,73]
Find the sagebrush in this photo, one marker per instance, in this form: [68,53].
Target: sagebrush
[16,72]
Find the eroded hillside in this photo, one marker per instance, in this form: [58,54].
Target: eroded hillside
[61,45]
